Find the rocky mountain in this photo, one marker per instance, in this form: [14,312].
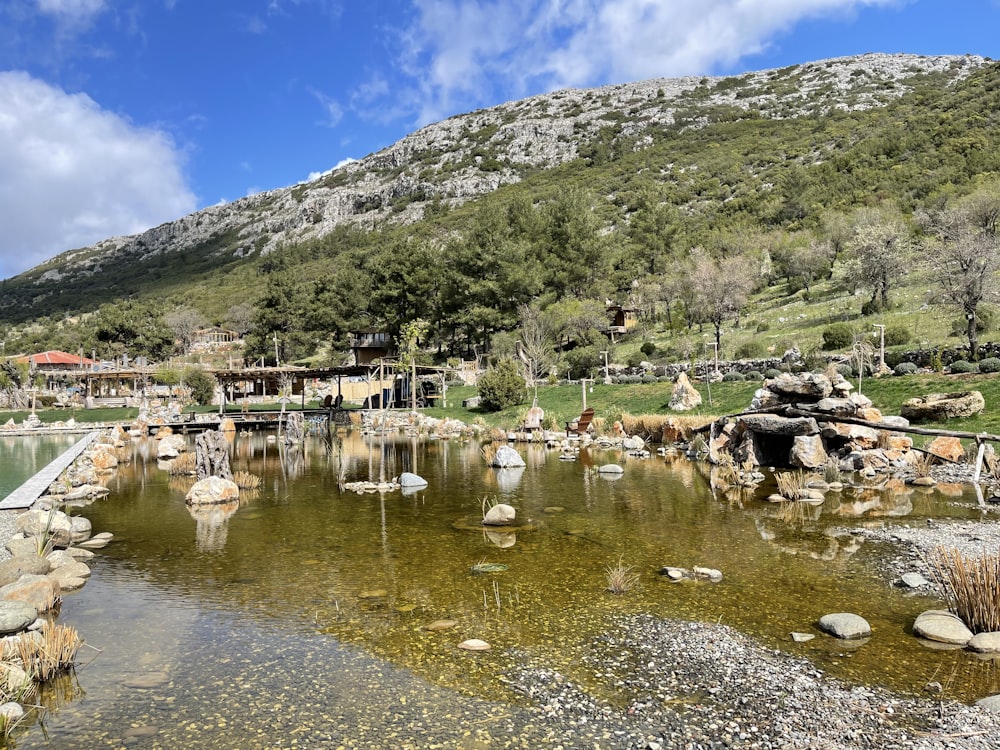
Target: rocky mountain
[469,155]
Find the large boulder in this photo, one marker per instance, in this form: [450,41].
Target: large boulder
[846,625]
[938,406]
[684,396]
[807,385]
[213,490]
[15,567]
[948,448]
[46,524]
[942,626]
[15,616]
[500,514]
[507,457]
[808,452]
[170,446]
[41,592]
[772,424]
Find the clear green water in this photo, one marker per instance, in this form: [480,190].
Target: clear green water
[21,457]
[299,615]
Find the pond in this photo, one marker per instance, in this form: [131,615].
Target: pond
[21,456]
[301,614]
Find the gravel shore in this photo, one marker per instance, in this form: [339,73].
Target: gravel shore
[699,685]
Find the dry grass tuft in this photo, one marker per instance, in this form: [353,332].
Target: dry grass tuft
[923,464]
[972,587]
[791,484]
[621,578]
[356,417]
[654,427]
[183,465]
[489,451]
[54,653]
[247,481]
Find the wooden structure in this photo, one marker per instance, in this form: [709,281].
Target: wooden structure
[370,347]
[581,425]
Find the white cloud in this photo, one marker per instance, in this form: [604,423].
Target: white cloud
[456,51]
[316,175]
[72,174]
[72,11]
[334,112]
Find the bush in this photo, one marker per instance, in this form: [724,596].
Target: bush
[986,320]
[897,335]
[734,376]
[501,386]
[990,364]
[846,370]
[906,368]
[648,377]
[837,336]
[771,372]
[752,349]
[202,385]
[763,326]
[647,348]
[754,375]
[961,367]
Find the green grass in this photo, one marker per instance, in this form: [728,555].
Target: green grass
[562,403]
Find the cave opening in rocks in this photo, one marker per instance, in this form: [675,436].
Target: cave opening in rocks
[773,449]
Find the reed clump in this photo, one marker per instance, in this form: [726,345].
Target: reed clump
[791,484]
[621,577]
[183,465]
[489,452]
[54,652]
[971,586]
[246,480]
[665,428]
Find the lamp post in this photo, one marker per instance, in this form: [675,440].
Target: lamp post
[607,376]
[881,344]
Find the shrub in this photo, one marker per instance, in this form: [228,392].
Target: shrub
[897,335]
[763,326]
[754,375]
[961,367]
[837,336]
[990,364]
[501,386]
[202,385]
[771,372]
[647,348]
[906,368]
[648,377]
[753,349]
[846,370]
[734,376]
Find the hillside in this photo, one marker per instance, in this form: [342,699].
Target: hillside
[655,168]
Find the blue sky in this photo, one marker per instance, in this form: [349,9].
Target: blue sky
[118,115]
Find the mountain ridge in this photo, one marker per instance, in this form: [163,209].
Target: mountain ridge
[467,156]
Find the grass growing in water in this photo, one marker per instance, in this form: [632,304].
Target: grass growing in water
[621,577]
[972,587]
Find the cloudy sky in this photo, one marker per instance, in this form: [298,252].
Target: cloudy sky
[118,115]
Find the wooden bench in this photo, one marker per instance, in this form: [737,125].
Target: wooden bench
[581,424]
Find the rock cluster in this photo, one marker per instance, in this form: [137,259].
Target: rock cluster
[799,423]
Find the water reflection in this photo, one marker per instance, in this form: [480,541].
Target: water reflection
[313,573]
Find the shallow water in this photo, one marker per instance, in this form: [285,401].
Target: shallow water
[22,456]
[299,614]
